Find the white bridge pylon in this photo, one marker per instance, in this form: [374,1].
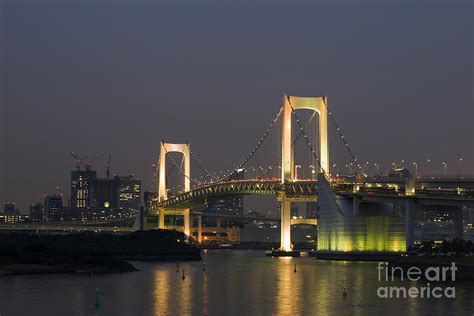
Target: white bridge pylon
[166,148]
[290,103]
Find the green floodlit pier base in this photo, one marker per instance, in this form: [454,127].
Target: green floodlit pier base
[347,226]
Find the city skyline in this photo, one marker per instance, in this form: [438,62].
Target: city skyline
[100,97]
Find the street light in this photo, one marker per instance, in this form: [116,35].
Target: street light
[377,166]
[366,164]
[460,167]
[296,171]
[445,167]
[427,163]
[416,168]
[313,171]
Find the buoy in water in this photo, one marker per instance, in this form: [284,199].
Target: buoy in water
[294,269]
[177,267]
[344,292]
[97,302]
[183,277]
[203,266]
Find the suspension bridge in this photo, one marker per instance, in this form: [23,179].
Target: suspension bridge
[356,212]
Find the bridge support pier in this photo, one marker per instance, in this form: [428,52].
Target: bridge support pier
[187,222]
[199,229]
[355,205]
[411,209]
[285,238]
[458,222]
[161,221]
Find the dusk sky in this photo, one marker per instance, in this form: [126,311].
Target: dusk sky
[117,77]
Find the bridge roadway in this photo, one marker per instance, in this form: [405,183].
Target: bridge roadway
[428,190]
[66,229]
[304,190]
[117,226]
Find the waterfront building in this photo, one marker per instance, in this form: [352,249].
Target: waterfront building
[82,192]
[53,208]
[148,198]
[129,194]
[105,199]
[37,213]
[9,208]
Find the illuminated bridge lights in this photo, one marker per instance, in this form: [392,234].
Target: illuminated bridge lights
[195,197]
[304,190]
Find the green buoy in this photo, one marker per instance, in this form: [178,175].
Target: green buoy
[97,302]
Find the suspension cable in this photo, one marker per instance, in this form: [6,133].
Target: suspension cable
[294,142]
[201,166]
[341,136]
[181,171]
[255,148]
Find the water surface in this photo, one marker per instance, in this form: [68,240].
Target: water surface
[234,283]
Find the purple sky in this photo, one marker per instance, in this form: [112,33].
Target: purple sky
[117,77]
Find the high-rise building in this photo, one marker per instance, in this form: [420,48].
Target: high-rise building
[82,192]
[9,208]
[129,193]
[105,200]
[148,198]
[53,208]
[37,213]
[11,214]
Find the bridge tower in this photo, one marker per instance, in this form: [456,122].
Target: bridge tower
[166,148]
[290,103]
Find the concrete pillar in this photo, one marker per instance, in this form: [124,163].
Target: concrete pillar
[285,238]
[164,150]
[187,222]
[323,136]
[286,146]
[355,205]
[410,186]
[458,222]
[161,221]
[410,213]
[199,229]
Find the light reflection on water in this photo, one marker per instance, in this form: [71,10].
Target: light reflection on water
[234,283]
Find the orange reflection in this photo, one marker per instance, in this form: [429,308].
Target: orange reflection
[161,291]
[288,288]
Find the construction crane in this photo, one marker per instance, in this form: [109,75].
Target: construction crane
[78,162]
[107,169]
[87,165]
[90,162]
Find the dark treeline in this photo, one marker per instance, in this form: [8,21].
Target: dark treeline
[95,248]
